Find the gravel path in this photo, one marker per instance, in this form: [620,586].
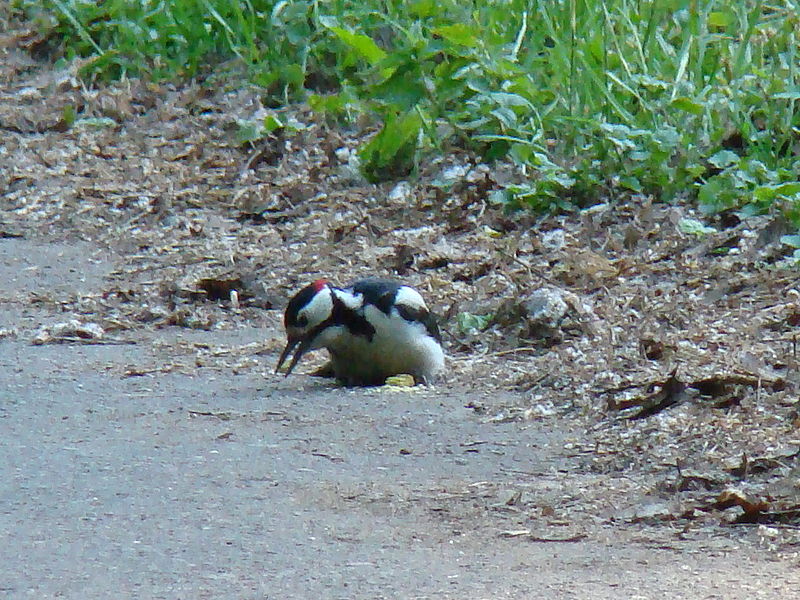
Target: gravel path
[118,480]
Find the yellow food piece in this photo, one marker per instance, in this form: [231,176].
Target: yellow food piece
[401,380]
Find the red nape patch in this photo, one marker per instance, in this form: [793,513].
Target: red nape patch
[319,284]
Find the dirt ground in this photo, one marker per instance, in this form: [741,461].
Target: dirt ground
[643,444]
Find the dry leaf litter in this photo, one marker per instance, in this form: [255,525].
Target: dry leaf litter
[673,354]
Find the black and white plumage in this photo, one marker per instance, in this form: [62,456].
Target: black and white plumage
[373,329]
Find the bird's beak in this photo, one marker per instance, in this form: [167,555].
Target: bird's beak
[302,345]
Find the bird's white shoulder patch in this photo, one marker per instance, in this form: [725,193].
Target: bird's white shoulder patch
[350,300]
[410,297]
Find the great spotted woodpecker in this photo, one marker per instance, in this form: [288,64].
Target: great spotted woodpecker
[373,329]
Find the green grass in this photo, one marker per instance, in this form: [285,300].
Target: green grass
[593,100]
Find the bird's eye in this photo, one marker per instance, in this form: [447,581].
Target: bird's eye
[302,321]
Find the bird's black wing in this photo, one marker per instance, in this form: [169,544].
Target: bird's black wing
[382,294]
[421,315]
[378,292]
[353,319]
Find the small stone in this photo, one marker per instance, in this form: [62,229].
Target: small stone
[545,307]
[554,240]
[401,193]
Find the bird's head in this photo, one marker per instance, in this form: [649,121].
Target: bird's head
[308,314]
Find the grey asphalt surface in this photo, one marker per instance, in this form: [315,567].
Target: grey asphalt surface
[201,483]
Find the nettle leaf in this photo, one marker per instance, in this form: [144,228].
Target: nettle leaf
[295,74]
[714,195]
[69,115]
[96,123]
[790,95]
[622,136]
[506,116]
[364,45]
[499,197]
[248,131]
[694,227]
[666,138]
[496,150]
[471,324]
[400,132]
[423,8]
[767,193]
[522,154]
[791,240]
[723,159]
[329,104]
[392,152]
[686,105]
[508,100]
[460,34]
[632,183]
[720,19]
[271,123]
[404,88]
[649,81]
[695,170]
[623,144]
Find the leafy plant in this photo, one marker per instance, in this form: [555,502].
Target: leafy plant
[470,324]
[392,152]
[672,98]
[694,227]
[251,131]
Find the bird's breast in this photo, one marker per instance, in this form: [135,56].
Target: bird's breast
[397,346]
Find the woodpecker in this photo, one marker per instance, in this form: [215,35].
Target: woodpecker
[373,329]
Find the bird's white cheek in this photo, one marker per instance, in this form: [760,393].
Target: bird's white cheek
[319,308]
